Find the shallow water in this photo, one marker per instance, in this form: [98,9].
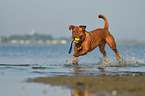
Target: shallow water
[20,62]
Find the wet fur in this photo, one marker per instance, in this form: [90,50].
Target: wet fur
[90,40]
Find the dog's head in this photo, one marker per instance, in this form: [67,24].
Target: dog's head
[78,33]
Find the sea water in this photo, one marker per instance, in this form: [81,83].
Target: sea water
[20,62]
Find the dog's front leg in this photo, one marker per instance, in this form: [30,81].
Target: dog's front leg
[75,60]
[84,51]
[81,52]
[76,55]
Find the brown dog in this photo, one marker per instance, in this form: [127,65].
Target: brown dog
[87,41]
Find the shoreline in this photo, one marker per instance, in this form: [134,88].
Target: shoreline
[132,85]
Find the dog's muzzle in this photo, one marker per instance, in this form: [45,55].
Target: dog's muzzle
[76,40]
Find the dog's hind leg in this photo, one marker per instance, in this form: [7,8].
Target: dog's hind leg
[101,47]
[111,42]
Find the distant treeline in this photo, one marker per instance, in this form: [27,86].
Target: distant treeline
[35,36]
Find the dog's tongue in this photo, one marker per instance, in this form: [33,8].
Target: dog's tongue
[76,41]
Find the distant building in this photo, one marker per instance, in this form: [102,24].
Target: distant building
[48,42]
[54,42]
[14,41]
[21,42]
[63,42]
[40,42]
[27,42]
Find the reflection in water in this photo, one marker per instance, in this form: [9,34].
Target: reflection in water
[80,92]
[102,69]
[84,69]
[81,69]
[77,92]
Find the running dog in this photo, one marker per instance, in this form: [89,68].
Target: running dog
[87,41]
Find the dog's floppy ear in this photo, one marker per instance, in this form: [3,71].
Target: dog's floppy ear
[71,27]
[83,27]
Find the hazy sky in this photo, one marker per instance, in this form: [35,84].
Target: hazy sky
[126,17]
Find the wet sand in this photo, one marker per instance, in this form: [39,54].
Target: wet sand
[129,85]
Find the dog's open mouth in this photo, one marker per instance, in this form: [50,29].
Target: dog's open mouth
[76,40]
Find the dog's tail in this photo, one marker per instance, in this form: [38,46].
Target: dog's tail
[106,21]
